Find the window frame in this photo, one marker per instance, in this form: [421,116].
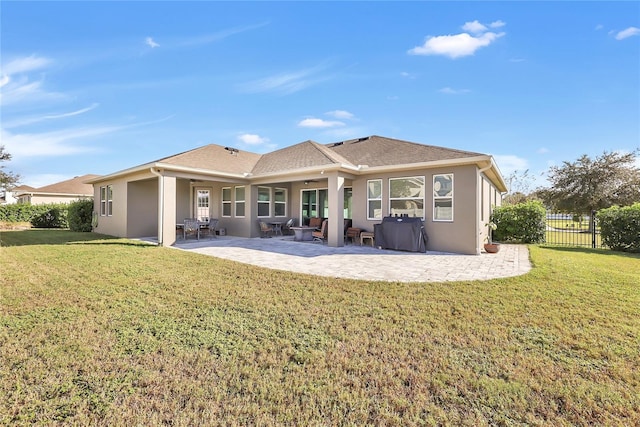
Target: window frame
[415,177]
[238,202]
[263,202]
[277,203]
[106,200]
[225,202]
[370,199]
[437,198]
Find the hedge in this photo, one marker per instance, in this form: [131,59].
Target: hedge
[620,227]
[52,215]
[522,222]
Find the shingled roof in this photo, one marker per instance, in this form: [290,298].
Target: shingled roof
[215,158]
[380,151]
[306,154]
[71,186]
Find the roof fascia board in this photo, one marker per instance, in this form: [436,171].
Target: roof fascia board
[428,165]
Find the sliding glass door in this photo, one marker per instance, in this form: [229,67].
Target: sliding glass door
[315,203]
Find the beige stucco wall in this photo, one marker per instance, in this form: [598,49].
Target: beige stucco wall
[39,199]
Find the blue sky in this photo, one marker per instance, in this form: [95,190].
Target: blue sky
[97,87]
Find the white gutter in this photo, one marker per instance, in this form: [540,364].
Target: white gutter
[161,207]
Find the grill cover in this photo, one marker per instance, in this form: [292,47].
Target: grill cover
[401,233]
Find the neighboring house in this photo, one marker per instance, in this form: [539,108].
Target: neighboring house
[9,197]
[61,192]
[363,179]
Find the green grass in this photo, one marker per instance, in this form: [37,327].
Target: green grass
[107,332]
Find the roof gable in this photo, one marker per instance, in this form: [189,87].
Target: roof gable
[307,154]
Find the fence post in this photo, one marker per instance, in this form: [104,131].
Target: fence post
[593,229]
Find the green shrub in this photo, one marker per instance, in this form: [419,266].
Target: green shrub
[80,215]
[523,222]
[53,215]
[620,227]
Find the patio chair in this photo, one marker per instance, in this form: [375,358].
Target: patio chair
[265,230]
[320,235]
[286,228]
[315,222]
[353,234]
[191,226]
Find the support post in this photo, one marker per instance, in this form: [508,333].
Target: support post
[335,232]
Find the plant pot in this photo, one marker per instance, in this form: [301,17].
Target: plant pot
[491,248]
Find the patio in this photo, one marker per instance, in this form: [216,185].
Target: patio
[363,262]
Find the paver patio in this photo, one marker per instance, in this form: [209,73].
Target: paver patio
[363,262]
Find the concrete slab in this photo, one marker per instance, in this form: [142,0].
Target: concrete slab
[363,262]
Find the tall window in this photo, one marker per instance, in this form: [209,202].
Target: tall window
[106,200]
[202,205]
[264,201]
[374,199]
[406,196]
[443,197]
[226,201]
[240,201]
[348,202]
[280,201]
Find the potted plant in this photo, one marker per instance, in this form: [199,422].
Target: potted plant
[491,247]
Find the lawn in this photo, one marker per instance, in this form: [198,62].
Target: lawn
[111,332]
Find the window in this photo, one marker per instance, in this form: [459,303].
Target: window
[202,205]
[264,201]
[226,201]
[443,197]
[106,200]
[406,196]
[280,201]
[348,202]
[240,201]
[374,199]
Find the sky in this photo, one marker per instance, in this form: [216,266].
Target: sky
[98,87]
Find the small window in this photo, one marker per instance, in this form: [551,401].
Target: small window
[406,196]
[280,201]
[226,201]
[264,201]
[374,199]
[106,200]
[443,197]
[240,201]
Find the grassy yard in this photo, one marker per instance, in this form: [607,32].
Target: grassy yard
[109,332]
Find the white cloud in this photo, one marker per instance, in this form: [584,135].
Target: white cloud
[319,123]
[287,83]
[450,91]
[31,120]
[457,45]
[543,150]
[599,27]
[53,143]
[24,65]
[252,139]
[340,114]
[629,32]
[497,24]
[474,27]
[149,42]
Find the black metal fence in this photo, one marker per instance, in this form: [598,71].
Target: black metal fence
[579,230]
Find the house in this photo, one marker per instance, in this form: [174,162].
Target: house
[67,191]
[362,179]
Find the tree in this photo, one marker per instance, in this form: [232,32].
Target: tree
[520,188]
[7,179]
[586,185]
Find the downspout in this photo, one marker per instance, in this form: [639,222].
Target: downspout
[161,207]
[478,212]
